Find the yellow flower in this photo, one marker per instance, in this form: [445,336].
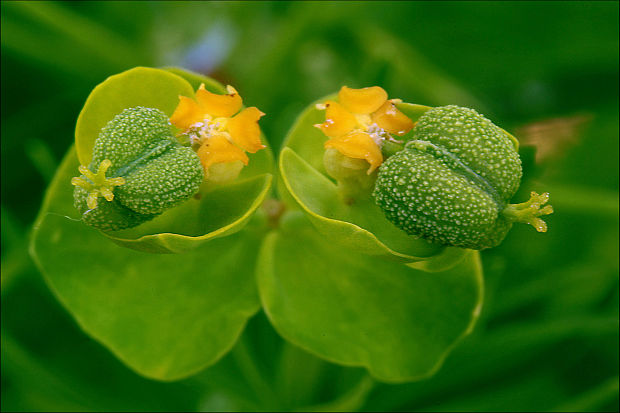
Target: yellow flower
[361,121]
[209,123]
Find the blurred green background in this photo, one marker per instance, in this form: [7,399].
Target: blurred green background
[546,71]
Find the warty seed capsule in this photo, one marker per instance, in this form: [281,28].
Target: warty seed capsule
[452,182]
[141,171]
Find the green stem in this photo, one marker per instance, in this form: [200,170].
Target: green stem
[351,401]
[252,374]
[297,376]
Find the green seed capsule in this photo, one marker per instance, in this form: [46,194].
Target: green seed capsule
[452,183]
[142,171]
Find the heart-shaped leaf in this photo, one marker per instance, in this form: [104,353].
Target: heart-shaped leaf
[398,322]
[361,225]
[223,210]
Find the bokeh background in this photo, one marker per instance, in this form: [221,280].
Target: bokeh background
[546,71]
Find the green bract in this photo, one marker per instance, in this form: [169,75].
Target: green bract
[158,173]
[452,182]
[357,310]
[164,315]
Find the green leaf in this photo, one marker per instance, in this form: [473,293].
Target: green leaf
[223,210]
[165,316]
[195,79]
[398,322]
[362,225]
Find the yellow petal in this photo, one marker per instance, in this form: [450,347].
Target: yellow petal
[338,120]
[364,101]
[187,113]
[358,145]
[391,119]
[219,105]
[218,149]
[244,129]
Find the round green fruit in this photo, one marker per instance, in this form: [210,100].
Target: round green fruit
[140,169]
[451,184]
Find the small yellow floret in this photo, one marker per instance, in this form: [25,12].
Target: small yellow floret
[361,121]
[210,122]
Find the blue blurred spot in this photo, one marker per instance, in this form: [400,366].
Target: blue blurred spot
[211,50]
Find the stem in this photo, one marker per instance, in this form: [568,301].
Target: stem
[252,374]
[274,209]
[351,401]
[297,376]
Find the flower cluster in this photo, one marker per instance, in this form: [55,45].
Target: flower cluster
[216,127]
[361,121]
